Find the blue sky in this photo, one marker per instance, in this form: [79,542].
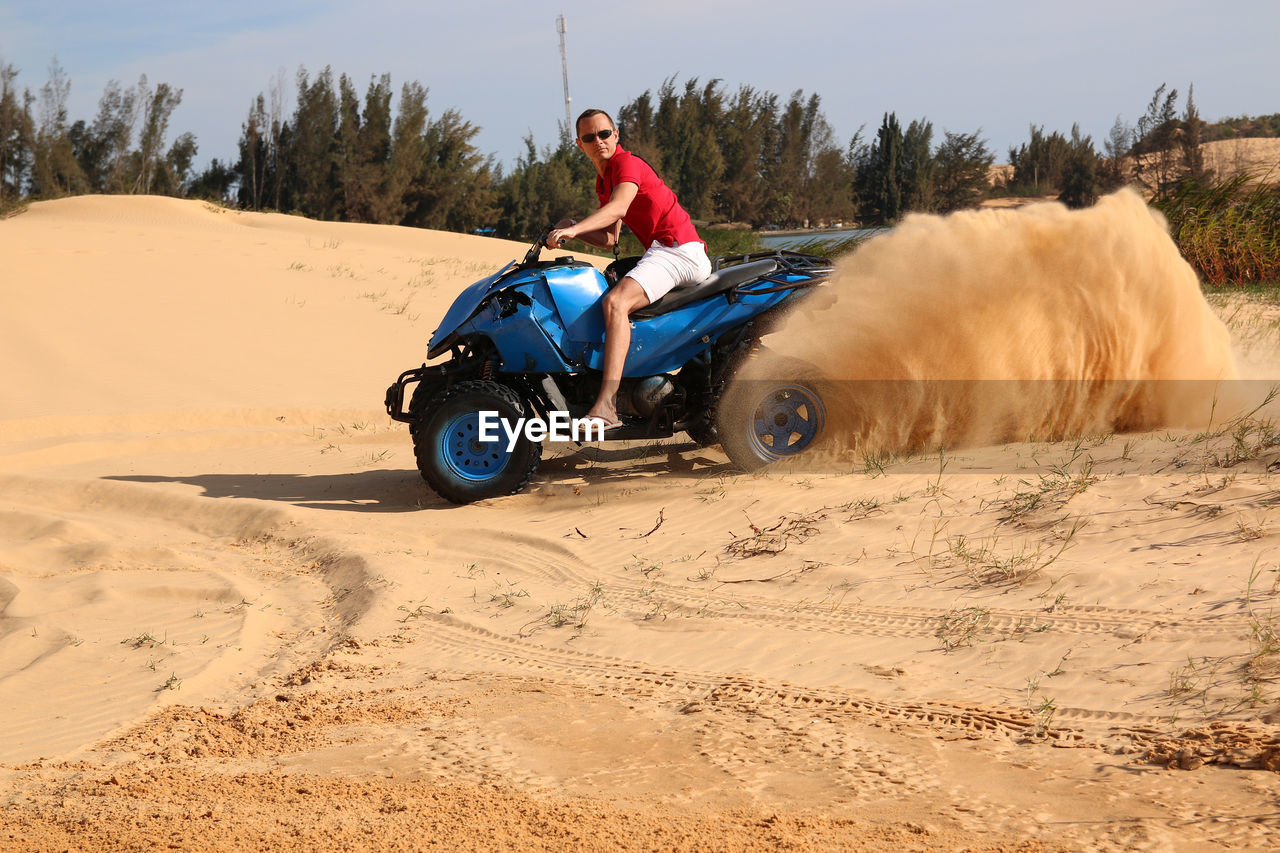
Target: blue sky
[998,65]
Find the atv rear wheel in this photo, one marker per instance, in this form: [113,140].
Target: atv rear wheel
[773,418]
[453,459]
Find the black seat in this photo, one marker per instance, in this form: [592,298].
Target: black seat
[725,279]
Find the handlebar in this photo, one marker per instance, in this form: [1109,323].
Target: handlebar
[535,251]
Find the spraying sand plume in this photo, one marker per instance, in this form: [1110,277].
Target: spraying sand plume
[998,325]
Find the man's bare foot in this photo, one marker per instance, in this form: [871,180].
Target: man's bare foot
[608,421]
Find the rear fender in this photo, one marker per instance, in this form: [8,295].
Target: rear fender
[664,343]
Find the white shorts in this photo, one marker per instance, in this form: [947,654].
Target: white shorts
[663,268]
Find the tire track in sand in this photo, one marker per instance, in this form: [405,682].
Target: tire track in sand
[117,595]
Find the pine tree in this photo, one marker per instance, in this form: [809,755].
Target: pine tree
[918,166]
[150,165]
[1038,164]
[963,163]
[828,191]
[56,171]
[251,168]
[544,188]
[214,183]
[1155,146]
[16,137]
[176,170]
[407,163]
[312,160]
[685,127]
[276,131]
[1113,171]
[637,129]
[800,123]
[1189,140]
[456,190]
[880,173]
[103,148]
[743,131]
[1080,172]
[352,177]
[373,156]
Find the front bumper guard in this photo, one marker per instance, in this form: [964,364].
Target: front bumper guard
[396,393]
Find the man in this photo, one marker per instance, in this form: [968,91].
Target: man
[630,191]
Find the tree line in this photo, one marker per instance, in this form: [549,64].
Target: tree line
[123,150]
[741,155]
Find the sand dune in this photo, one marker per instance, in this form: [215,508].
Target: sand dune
[231,613]
[1257,157]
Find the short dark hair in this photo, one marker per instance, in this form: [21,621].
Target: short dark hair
[586,114]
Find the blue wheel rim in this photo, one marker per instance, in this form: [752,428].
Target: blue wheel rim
[466,455]
[786,421]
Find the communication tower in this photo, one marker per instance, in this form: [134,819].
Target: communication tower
[564,70]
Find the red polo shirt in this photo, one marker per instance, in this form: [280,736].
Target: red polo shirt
[655,214]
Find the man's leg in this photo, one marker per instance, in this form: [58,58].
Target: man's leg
[623,298]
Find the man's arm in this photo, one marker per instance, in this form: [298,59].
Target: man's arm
[603,227]
[602,238]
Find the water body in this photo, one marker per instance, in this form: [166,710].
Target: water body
[792,239]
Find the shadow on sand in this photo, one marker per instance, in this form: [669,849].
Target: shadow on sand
[403,490]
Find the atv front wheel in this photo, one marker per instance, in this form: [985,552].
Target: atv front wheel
[453,458]
[775,418]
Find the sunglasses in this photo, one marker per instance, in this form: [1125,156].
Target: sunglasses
[589,138]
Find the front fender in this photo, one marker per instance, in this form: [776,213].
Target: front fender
[526,339]
[463,307]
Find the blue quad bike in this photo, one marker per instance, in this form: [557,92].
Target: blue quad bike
[528,341]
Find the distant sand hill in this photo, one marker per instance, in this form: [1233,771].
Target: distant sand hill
[1225,158]
[1234,156]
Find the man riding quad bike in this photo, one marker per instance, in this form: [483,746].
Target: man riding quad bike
[523,349]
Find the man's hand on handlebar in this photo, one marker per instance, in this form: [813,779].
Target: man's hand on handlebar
[561,233]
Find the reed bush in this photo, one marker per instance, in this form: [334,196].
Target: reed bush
[1227,229]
